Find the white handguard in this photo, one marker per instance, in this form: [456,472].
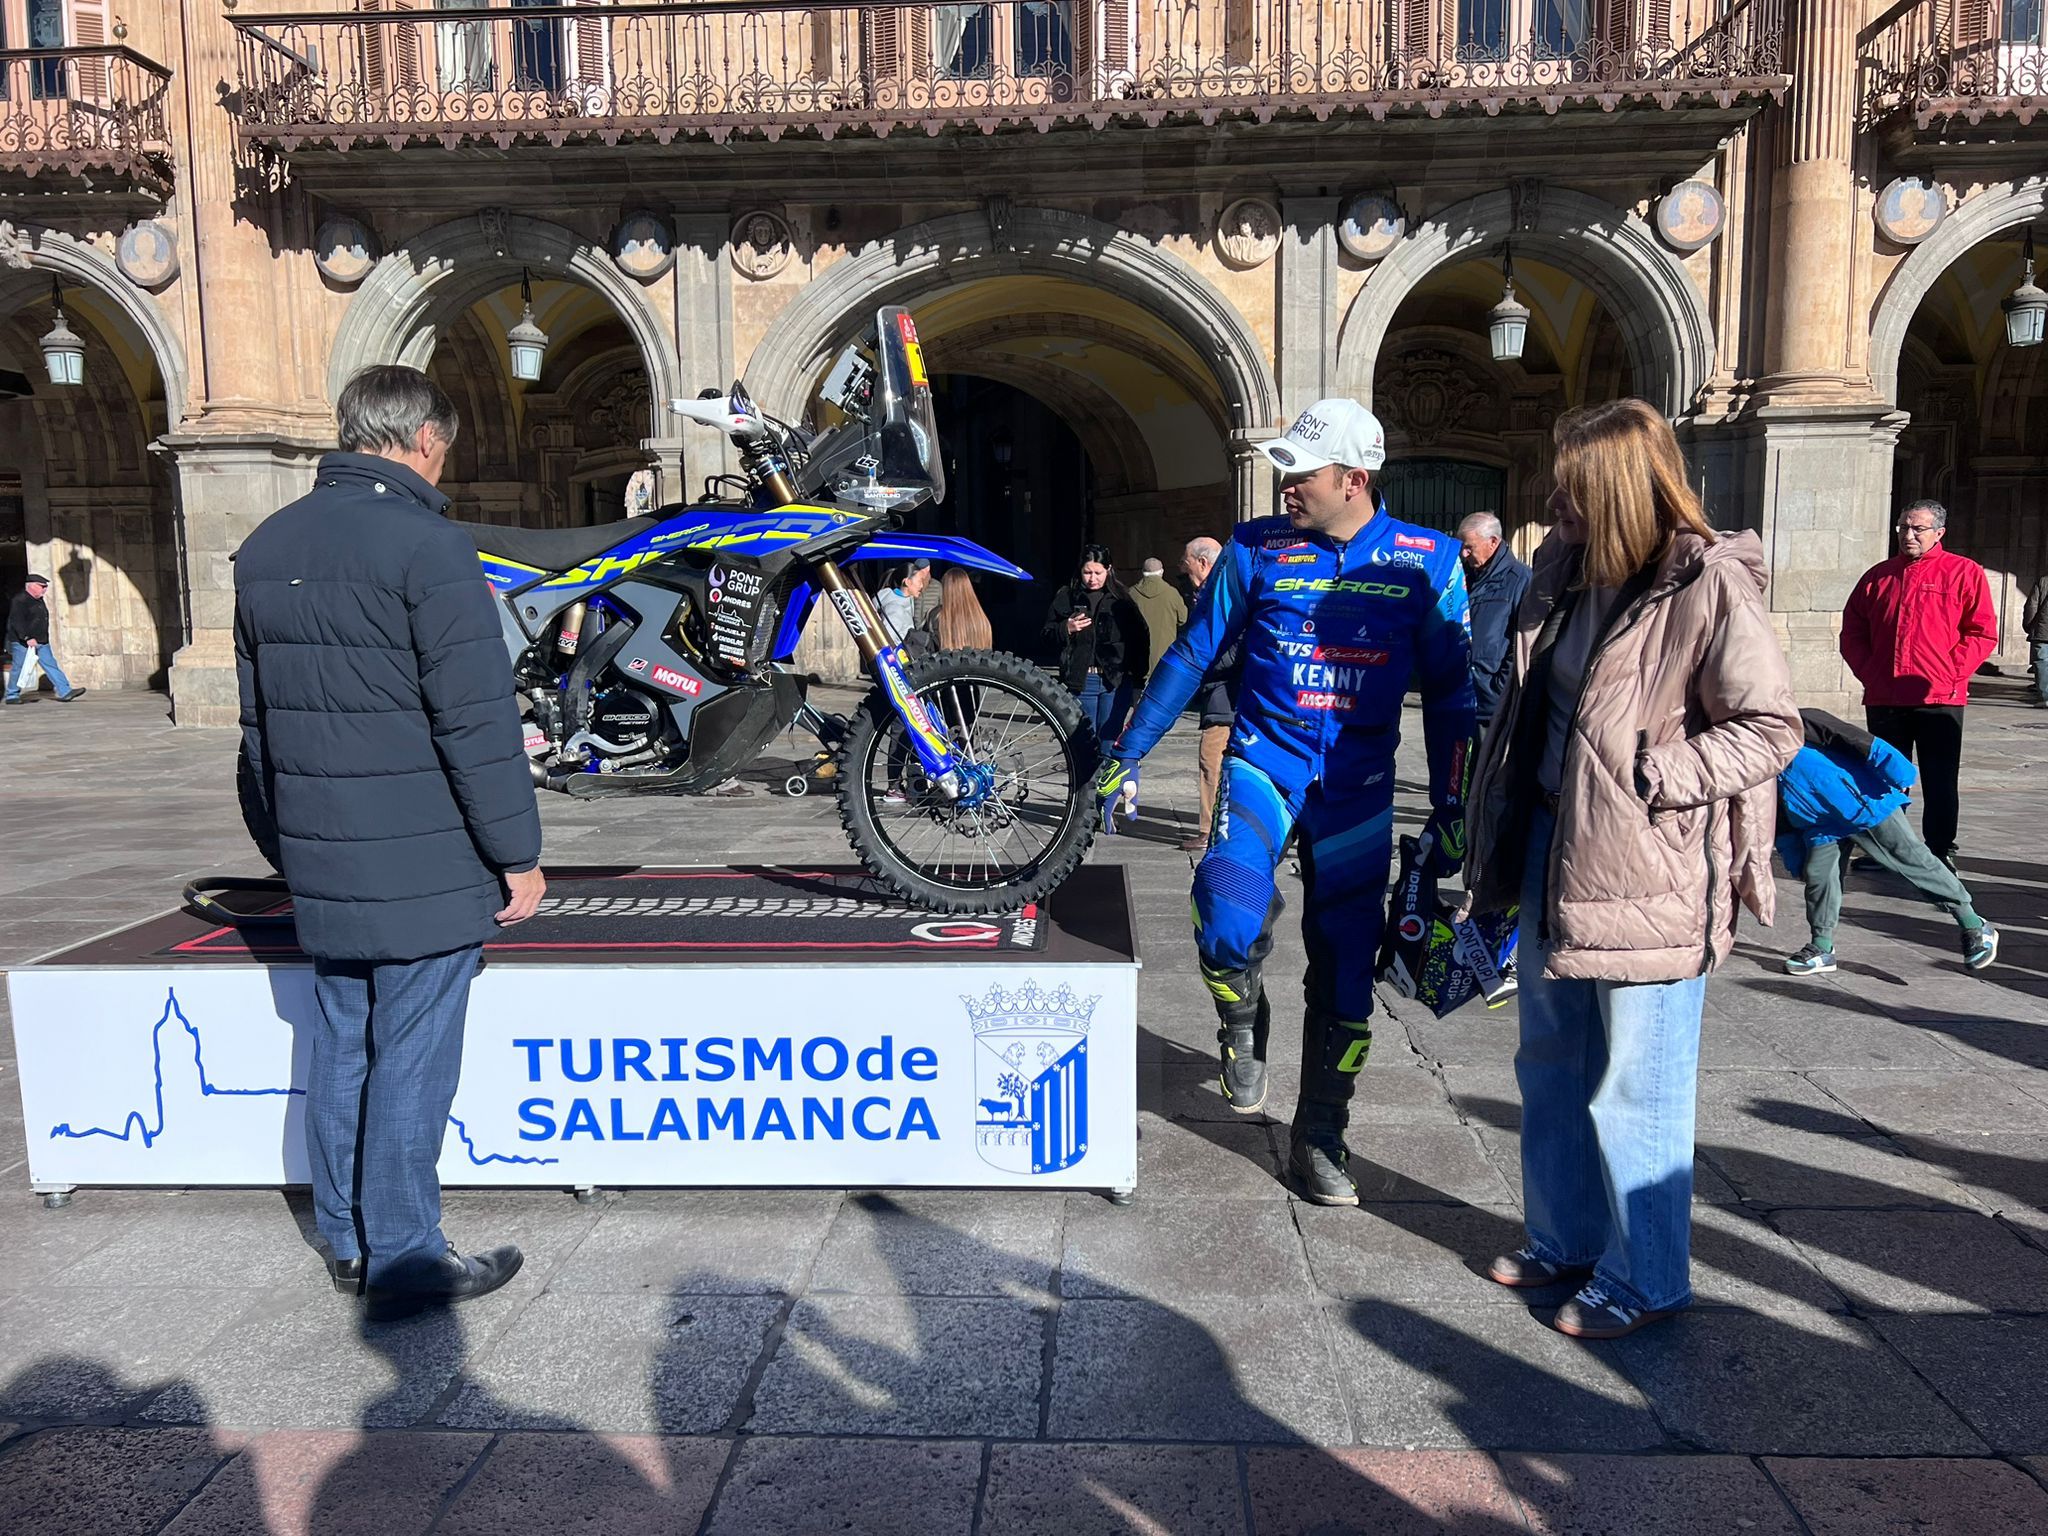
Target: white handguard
[718,412]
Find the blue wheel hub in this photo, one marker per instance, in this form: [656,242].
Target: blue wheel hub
[977,784]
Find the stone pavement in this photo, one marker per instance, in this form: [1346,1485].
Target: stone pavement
[1869,1353]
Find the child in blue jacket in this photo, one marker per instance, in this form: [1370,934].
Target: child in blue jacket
[1848,786]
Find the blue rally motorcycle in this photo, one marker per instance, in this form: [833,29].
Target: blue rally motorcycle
[650,654]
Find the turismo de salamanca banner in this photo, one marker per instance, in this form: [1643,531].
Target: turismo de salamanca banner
[849,1075]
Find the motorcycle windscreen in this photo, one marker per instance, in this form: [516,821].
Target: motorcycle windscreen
[888,457]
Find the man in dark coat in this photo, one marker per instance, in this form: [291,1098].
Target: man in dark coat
[382,773]
[28,636]
[1494,582]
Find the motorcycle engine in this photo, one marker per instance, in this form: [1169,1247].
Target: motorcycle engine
[625,719]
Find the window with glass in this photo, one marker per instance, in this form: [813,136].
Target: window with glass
[2026,23]
[536,50]
[968,41]
[462,49]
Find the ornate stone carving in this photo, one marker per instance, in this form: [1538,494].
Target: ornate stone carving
[345,249]
[1428,395]
[147,254]
[14,246]
[644,246]
[1148,221]
[621,412]
[761,244]
[1371,226]
[1248,233]
[495,224]
[1690,216]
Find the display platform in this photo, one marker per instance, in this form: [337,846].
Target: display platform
[648,1027]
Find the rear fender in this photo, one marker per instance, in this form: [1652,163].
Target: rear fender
[935,546]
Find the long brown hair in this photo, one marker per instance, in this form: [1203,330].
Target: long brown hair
[1620,464]
[960,623]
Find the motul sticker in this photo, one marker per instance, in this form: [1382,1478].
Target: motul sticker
[1351,655]
[680,682]
[536,741]
[1340,702]
[1413,541]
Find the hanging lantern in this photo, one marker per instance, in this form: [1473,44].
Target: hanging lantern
[1507,323]
[2026,307]
[63,348]
[528,341]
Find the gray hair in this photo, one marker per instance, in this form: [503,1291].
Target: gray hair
[383,408]
[1154,568]
[1485,524]
[1204,549]
[1932,508]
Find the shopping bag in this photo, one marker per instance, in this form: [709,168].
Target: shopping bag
[1429,955]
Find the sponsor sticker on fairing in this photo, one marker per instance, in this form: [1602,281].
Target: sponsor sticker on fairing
[680,682]
[536,741]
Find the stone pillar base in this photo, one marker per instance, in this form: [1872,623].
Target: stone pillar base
[203,686]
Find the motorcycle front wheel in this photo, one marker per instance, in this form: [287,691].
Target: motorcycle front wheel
[1027,818]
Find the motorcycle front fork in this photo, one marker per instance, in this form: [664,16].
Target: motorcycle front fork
[885,661]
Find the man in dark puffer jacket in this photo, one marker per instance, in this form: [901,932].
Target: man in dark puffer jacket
[382,773]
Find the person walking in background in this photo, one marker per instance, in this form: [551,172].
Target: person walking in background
[898,600]
[1216,698]
[381,773]
[1917,628]
[2035,618]
[1849,786]
[28,641]
[1098,632]
[1623,800]
[1494,582]
[1164,611]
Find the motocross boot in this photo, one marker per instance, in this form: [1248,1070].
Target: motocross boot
[1332,1051]
[1247,1020]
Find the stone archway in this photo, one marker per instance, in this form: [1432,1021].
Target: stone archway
[962,248]
[1663,318]
[1978,219]
[51,253]
[416,291]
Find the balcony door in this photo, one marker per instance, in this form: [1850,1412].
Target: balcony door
[1011,40]
[2022,39]
[54,24]
[1497,30]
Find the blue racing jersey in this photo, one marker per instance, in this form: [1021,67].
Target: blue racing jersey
[1331,634]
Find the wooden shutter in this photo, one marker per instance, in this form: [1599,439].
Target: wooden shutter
[89,30]
[882,44]
[1105,47]
[1421,28]
[591,49]
[1973,22]
[391,57]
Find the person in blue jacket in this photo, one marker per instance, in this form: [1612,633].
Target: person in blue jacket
[1334,605]
[1849,786]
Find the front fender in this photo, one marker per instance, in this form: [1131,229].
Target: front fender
[935,546]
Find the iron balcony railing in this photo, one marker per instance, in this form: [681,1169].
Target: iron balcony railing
[84,109]
[1972,59]
[476,71]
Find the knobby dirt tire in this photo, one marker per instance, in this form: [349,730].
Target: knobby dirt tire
[869,735]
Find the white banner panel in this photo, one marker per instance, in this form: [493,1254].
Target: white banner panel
[989,1074]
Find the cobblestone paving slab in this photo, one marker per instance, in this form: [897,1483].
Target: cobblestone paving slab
[1647,1496]
[330,1483]
[1379,1493]
[779,1488]
[1906,1498]
[1112,1490]
[631,1483]
[103,1482]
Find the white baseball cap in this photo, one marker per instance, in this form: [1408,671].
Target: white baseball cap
[1329,432]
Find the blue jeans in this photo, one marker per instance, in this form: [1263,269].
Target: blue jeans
[2040,654]
[17,663]
[1105,707]
[1609,1076]
[386,1057]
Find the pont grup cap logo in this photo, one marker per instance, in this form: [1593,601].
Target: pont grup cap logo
[1334,431]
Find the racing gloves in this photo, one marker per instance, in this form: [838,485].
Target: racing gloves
[1116,787]
[1444,836]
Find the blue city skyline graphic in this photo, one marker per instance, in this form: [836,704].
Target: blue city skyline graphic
[136,1123]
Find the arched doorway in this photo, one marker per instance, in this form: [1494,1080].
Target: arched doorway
[1467,433]
[1976,439]
[83,500]
[559,450]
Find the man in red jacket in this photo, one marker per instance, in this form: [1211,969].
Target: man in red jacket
[1916,628]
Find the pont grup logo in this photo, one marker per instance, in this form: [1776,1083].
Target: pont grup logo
[1031,1076]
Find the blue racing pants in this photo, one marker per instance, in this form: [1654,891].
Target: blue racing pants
[1346,849]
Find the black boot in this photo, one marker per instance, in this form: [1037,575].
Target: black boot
[1247,1020]
[1332,1051]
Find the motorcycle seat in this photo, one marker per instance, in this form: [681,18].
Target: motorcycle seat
[553,549]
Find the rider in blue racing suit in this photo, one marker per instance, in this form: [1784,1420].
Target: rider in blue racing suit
[1337,605]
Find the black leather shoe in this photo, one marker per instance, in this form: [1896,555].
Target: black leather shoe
[453,1278]
[347,1275]
[66,698]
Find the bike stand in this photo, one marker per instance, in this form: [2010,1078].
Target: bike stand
[587,1194]
[1120,1196]
[55,1196]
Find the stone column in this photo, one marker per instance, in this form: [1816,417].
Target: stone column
[1309,308]
[1251,475]
[703,281]
[226,487]
[1818,455]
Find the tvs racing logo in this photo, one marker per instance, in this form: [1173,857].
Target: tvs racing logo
[1351,655]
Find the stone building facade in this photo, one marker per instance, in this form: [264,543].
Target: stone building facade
[1137,235]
